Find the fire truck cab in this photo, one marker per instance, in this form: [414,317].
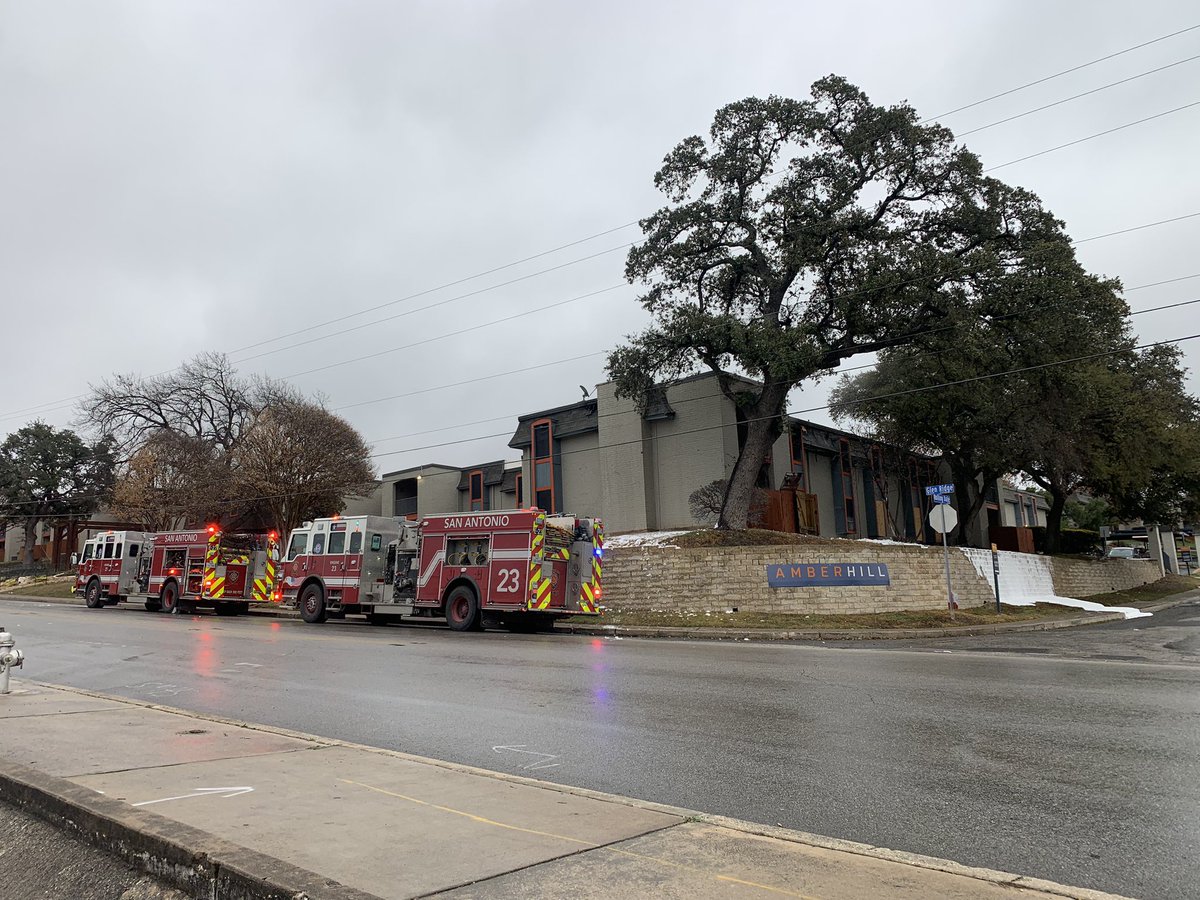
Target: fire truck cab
[181,570]
[520,568]
[107,571]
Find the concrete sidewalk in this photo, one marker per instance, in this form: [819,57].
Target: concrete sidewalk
[223,809]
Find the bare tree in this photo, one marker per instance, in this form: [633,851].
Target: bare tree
[204,398]
[172,481]
[298,460]
[705,502]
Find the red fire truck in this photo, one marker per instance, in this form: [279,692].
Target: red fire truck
[183,570]
[519,568]
[108,569]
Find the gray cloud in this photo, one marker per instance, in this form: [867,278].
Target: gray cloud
[186,176]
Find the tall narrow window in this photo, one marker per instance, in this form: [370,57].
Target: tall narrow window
[519,487]
[543,466]
[880,485]
[917,499]
[847,486]
[476,480]
[799,458]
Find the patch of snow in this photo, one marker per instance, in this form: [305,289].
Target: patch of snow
[643,539]
[1026,579]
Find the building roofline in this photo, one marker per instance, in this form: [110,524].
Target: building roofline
[418,469]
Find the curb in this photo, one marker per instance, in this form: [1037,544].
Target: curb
[677,632]
[193,861]
[843,634]
[884,854]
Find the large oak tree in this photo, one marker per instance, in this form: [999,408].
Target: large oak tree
[802,233]
[48,474]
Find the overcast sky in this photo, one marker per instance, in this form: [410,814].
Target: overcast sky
[178,177]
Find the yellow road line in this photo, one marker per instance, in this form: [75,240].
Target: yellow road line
[471,815]
[590,844]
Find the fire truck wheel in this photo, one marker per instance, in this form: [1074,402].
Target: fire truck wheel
[93,595]
[312,604]
[169,599]
[462,609]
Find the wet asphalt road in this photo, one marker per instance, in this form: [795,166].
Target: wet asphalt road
[1071,755]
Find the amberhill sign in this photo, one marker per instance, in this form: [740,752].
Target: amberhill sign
[840,574]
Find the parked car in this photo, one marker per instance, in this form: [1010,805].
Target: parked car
[1120,553]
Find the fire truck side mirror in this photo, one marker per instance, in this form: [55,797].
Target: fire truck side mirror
[74,559]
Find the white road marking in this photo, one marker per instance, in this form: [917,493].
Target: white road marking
[543,762]
[201,792]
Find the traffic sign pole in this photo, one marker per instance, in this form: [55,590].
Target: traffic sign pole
[943,518]
[996,574]
[949,589]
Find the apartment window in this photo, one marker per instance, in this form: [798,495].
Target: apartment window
[543,466]
[519,487]
[1031,511]
[476,482]
[799,458]
[847,486]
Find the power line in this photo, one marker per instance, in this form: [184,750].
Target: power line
[889,395]
[410,312]
[494,375]
[517,415]
[1105,87]
[1121,231]
[812,409]
[457,332]
[1085,65]
[458,281]
[1090,137]
[56,405]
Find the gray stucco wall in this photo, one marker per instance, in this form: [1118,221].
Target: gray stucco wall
[581,489]
[690,451]
[622,463]
[438,492]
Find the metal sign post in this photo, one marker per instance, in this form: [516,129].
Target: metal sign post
[943,518]
[996,574]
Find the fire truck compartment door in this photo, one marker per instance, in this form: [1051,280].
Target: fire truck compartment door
[235,580]
[579,568]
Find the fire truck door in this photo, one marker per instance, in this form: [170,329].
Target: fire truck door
[336,560]
[235,580]
[579,570]
[194,581]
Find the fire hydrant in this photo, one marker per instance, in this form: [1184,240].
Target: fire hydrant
[10,658]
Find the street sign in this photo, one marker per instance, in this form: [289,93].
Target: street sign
[943,518]
[932,490]
[940,498]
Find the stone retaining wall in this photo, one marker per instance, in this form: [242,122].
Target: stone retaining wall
[716,579]
[721,578]
[1085,578]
